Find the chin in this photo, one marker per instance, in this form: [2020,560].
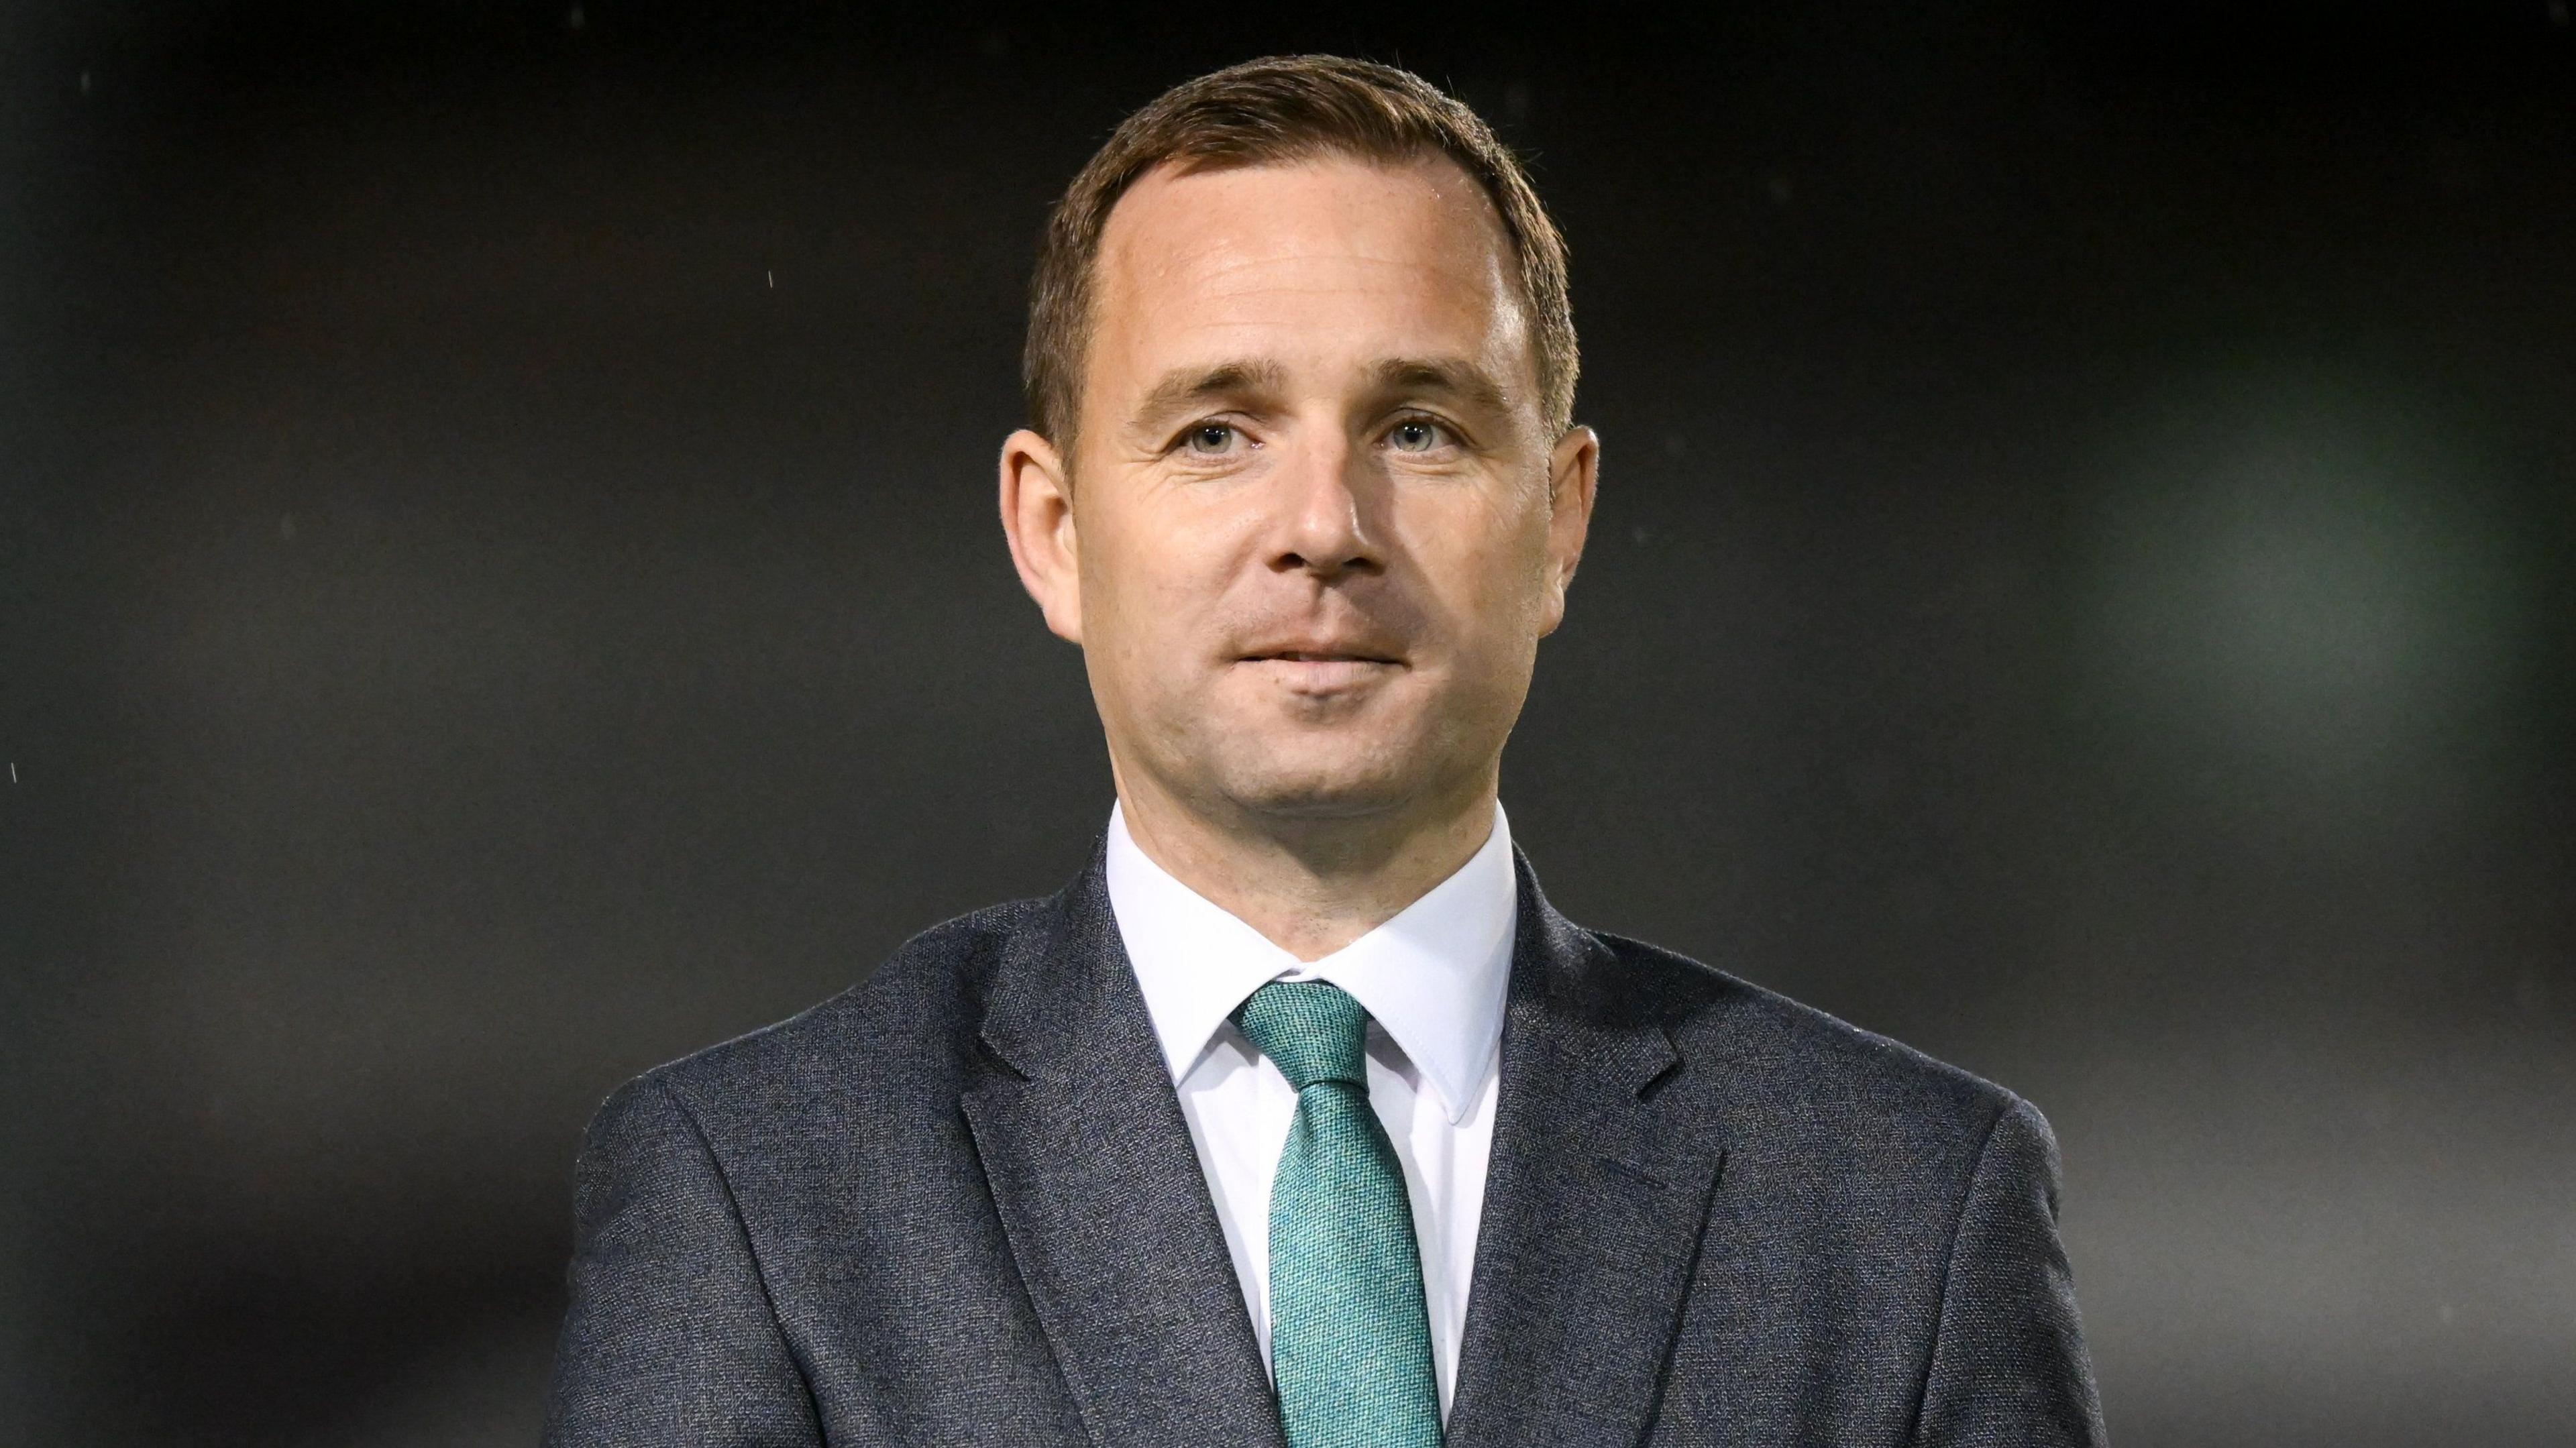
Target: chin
[1310,783]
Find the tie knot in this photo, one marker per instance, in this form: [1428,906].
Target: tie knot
[1312,1030]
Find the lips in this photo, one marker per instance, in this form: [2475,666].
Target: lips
[1320,669]
[1320,656]
[1325,646]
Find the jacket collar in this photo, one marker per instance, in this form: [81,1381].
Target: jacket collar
[1594,1201]
[1100,1192]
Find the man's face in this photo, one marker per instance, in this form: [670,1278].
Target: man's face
[1316,525]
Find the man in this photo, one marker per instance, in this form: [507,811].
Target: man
[1299,1118]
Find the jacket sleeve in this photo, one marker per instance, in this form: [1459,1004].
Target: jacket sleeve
[671,1338]
[2008,1366]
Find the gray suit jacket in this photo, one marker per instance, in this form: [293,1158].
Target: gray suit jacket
[958,1204]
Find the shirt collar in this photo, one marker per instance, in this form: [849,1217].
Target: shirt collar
[1433,977]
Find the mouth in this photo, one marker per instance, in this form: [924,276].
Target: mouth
[1318,656]
[1323,671]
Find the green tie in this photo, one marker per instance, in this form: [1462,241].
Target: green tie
[1350,1340]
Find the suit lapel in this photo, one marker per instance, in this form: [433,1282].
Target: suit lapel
[1102,1195]
[1594,1205]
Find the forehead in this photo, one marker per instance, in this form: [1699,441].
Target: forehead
[1302,261]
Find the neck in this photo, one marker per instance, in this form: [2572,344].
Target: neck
[1310,884]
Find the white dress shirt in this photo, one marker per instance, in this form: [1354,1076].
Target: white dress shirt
[1432,979]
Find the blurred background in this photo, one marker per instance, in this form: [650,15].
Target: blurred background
[498,589]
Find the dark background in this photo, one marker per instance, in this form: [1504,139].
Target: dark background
[498,589]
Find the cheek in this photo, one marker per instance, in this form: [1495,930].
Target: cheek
[1156,582]
[1483,560]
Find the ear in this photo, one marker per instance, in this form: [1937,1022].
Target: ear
[1573,476]
[1037,518]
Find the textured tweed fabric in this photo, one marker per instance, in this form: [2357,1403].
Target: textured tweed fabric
[1350,1339]
[958,1205]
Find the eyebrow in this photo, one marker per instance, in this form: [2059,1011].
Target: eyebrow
[1185,387]
[1453,377]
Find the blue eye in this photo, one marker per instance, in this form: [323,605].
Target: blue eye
[1210,437]
[1415,435]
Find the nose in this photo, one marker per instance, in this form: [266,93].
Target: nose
[1322,502]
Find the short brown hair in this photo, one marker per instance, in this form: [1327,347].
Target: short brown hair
[1267,112]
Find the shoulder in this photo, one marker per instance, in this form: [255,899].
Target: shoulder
[903,1037]
[1802,1079]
